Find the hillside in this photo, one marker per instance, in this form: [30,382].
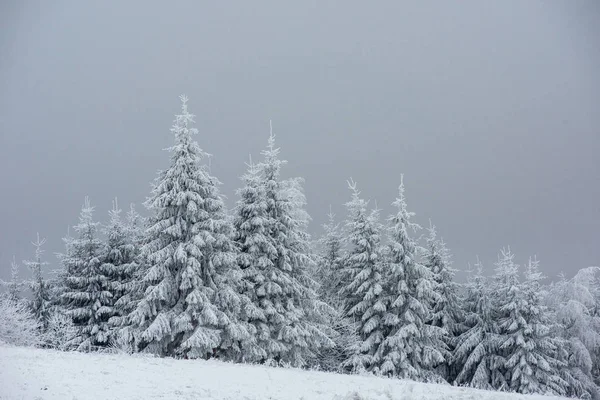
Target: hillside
[45,374]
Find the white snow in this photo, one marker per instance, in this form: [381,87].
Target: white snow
[37,374]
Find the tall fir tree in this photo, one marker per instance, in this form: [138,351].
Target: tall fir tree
[275,258]
[446,311]
[411,348]
[135,226]
[41,302]
[316,333]
[255,253]
[85,297]
[363,281]
[191,302]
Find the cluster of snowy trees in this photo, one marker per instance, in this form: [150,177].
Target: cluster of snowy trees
[36,321]
[196,280]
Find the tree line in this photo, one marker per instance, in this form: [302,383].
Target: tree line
[196,280]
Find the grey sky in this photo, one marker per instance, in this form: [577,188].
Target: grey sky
[491,109]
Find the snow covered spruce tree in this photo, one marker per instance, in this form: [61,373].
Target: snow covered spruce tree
[531,350]
[571,302]
[130,287]
[446,310]
[14,286]
[41,302]
[362,284]
[329,270]
[135,227]
[85,297]
[475,353]
[191,302]
[412,348]
[57,286]
[508,305]
[275,257]
[595,313]
[120,267]
[255,250]
[330,263]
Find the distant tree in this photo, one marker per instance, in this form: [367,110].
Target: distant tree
[330,263]
[14,286]
[41,303]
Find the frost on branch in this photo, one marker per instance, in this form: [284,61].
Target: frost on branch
[18,325]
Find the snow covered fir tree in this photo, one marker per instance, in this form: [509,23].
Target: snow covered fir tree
[86,297]
[533,353]
[191,301]
[330,263]
[362,280]
[15,285]
[476,354]
[412,348]
[446,311]
[121,264]
[329,272]
[275,258]
[41,302]
[190,278]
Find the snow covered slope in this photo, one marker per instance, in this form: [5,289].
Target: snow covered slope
[45,374]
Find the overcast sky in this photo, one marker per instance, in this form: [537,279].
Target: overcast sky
[490,109]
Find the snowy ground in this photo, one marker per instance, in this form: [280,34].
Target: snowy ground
[32,374]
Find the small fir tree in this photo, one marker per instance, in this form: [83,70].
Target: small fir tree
[41,302]
[85,297]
